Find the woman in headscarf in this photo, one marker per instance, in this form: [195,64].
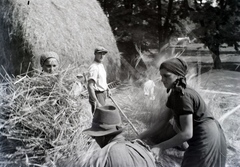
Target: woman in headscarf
[196,125]
[49,62]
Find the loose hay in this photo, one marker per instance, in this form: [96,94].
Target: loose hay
[41,123]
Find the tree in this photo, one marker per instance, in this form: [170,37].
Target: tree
[151,24]
[134,22]
[140,20]
[217,25]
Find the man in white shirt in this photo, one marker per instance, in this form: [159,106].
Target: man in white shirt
[97,81]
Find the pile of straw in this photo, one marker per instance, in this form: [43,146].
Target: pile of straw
[41,123]
[70,28]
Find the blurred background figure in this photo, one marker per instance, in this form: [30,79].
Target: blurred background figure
[80,85]
[149,86]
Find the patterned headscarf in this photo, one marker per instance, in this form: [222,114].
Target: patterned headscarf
[178,67]
[47,55]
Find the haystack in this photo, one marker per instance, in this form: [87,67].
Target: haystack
[70,28]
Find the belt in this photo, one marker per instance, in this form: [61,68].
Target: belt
[99,91]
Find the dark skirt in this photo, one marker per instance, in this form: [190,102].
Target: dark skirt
[208,146]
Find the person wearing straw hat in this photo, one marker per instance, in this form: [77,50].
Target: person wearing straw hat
[49,62]
[97,80]
[115,150]
[196,125]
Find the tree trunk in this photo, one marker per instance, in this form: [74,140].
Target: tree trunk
[222,4]
[166,24]
[214,49]
[236,46]
[103,3]
[105,6]
[160,29]
[128,4]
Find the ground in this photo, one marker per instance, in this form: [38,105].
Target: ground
[225,89]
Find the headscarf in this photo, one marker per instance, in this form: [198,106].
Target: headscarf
[178,67]
[47,55]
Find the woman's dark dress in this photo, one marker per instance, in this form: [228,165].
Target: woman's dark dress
[207,147]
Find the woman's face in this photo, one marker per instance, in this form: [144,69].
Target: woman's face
[50,66]
[168,78]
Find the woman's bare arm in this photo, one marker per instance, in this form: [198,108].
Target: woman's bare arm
[185,133]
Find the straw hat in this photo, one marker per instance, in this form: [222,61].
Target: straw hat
[106,120]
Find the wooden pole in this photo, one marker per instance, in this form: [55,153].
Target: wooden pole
[124,115]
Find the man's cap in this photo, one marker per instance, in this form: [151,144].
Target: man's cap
[100,49]
[106,121]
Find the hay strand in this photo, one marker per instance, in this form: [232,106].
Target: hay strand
[223,117]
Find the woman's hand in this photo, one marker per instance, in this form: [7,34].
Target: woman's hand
[156,152]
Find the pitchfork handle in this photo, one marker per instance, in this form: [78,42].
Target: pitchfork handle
[124,115]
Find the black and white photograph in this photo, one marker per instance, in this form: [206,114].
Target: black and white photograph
[119,83]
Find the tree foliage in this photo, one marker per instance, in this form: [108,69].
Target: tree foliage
[152,24]
[217,25]
[136,20]
[147,22]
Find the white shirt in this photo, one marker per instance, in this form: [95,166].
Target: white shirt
[98,73]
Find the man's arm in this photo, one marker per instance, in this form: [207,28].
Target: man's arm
[91,92]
